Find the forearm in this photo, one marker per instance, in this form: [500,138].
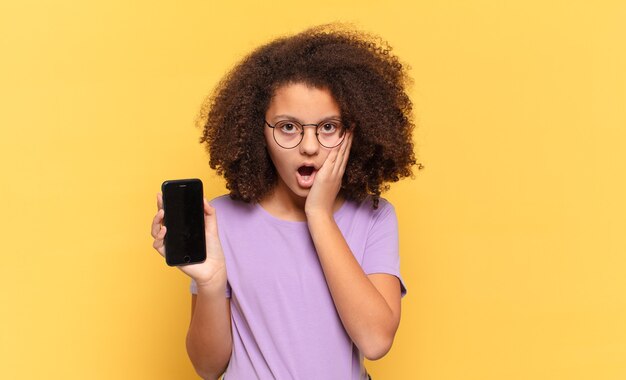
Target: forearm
[209,339]
[366,316]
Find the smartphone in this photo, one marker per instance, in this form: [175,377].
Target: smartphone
[183,203]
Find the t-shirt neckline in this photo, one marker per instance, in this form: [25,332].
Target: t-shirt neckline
[296,223]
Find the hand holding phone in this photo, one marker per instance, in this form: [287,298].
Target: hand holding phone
[212,271]
[183,205]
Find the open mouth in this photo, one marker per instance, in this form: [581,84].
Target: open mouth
[306,174]
[306,171]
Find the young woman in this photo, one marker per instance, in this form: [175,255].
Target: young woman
[302,276]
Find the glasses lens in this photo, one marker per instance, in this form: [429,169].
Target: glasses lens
[287,133]
[330,133]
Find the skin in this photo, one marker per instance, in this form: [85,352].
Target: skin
[368,305]
[289,200]
[209,338]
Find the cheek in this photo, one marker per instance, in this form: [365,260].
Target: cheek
[269,145]
[267,135]
[277,155]
[324,154]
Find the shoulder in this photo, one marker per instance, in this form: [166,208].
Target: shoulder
[223,200]
[226,201]
[224,204]
[363,216]
[365,208]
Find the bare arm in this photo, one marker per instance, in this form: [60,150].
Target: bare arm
[209,339]
[369,306]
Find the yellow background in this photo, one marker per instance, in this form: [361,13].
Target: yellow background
[512,238]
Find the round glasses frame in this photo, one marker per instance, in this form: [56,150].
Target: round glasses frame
[317,134]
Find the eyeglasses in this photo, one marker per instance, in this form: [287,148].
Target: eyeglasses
[289,133]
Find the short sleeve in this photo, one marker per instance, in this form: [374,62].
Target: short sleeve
[194,288]
[382,247]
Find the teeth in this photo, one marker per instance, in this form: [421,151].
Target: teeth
[306,177]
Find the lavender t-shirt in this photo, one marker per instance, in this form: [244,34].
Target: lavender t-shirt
[284,322]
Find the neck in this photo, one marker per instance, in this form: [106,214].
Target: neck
[288,206]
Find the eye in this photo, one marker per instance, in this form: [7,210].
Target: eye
[287,127]
[329,127]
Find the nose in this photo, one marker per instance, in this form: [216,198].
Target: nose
[309,144]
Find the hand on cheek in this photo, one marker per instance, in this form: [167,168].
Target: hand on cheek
[321,198]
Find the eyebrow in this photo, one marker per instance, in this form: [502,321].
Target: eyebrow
[289,117]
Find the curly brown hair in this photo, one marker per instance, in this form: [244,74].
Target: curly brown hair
[366,80]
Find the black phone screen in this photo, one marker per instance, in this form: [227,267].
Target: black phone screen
[184,219]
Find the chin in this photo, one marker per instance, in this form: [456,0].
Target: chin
[300,192]
[293,190]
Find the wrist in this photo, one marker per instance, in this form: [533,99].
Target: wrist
[319,216]
[213,284]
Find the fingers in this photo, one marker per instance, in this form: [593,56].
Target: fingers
[331,159]
[337,159]
[343,154]
[158,230]
[159,243]
[157,222]
[210,220]
[347,150]
[208,209]
[332,156]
